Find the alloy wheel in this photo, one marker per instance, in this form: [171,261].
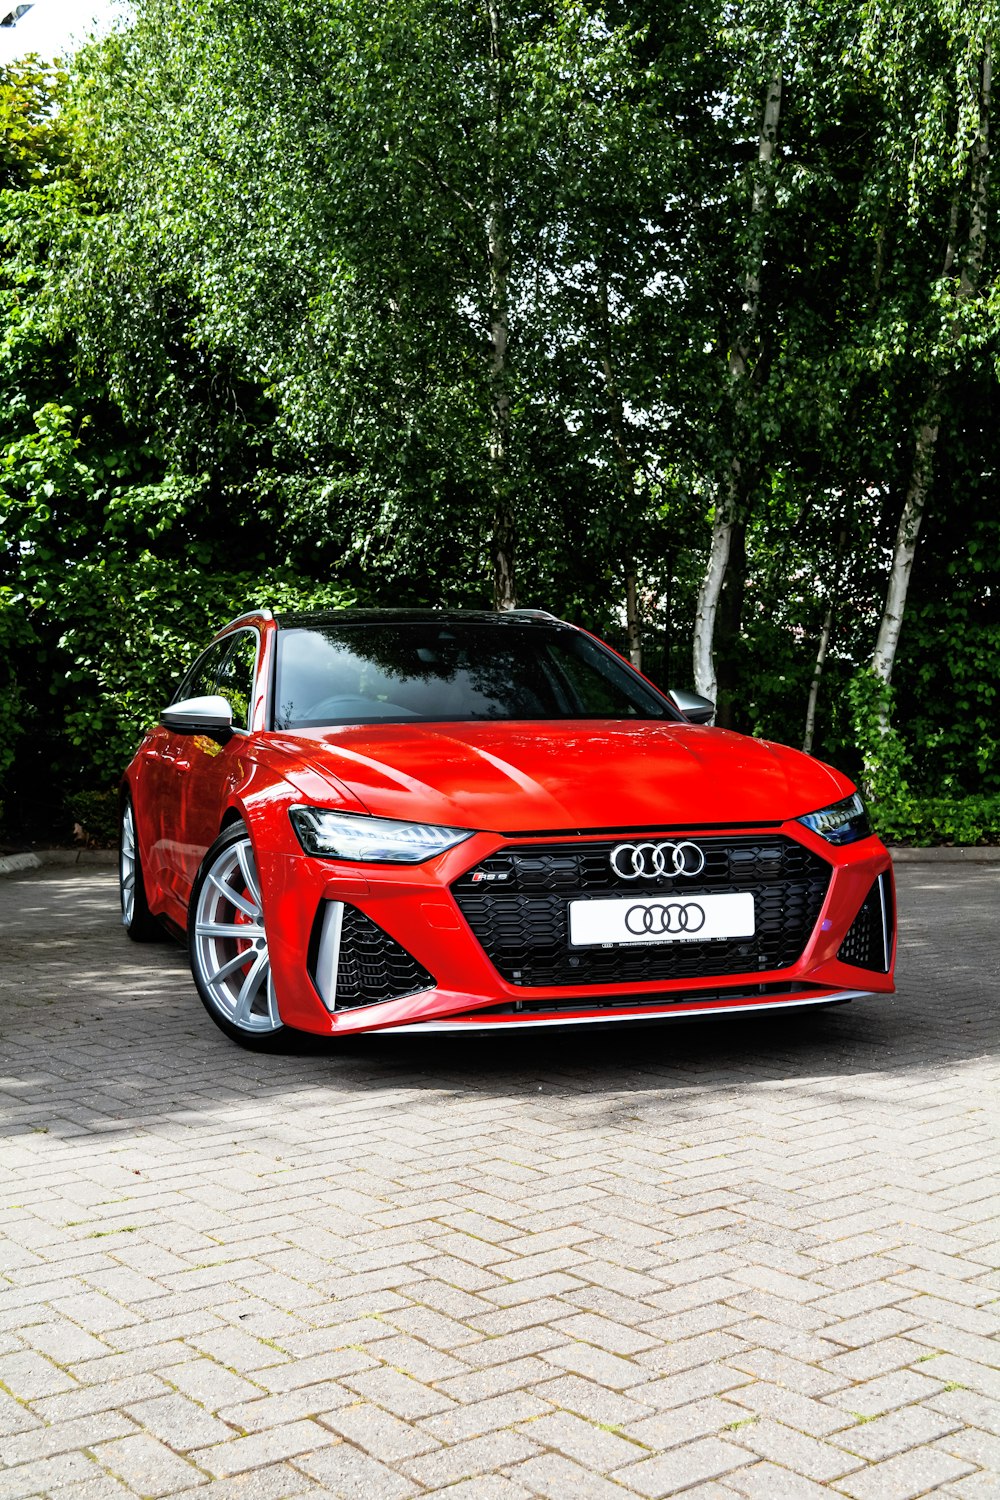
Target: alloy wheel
[229,943]
[127,866]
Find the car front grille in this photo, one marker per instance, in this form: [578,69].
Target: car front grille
[868,944]
[516,903]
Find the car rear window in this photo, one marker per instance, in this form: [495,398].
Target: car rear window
[423,670]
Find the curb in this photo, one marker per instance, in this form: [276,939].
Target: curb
[15,864]
[966,854]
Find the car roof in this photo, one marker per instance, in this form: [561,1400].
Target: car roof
[317,618]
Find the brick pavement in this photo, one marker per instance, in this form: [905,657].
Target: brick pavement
[748,1259]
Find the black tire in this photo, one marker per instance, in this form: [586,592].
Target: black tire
[137,919]
[227,944]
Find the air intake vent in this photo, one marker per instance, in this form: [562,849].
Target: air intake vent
[868,944]
[355,962]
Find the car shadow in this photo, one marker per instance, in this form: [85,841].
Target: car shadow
[118,1026]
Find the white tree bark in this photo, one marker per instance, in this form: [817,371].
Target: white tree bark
[504,537]
[821,653]
[616,414]
[928,423]
[707,609]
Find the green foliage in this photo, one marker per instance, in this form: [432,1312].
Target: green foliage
[248,305]
[95,817]
[927,821]
[136,626]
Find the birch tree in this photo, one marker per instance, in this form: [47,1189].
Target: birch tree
[950,149]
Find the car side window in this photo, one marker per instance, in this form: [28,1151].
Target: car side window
[199,681]
[236,676]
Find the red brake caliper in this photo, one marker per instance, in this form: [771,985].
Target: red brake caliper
[244,946]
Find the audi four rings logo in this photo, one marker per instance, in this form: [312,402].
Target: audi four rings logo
[643,921]
[657,861]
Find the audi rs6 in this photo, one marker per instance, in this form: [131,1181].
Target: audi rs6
[416,820]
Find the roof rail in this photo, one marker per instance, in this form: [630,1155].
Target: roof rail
[534,614]
[251,614]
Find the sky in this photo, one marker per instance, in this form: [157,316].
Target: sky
[53,27]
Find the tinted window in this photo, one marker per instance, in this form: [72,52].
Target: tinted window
[364,673]
[236,676]
[200,680]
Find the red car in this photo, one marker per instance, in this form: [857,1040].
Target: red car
[422,820]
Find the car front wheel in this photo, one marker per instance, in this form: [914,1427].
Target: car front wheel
[227,941]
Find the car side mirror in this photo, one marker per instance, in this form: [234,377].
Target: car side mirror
[212,716]
[695,708]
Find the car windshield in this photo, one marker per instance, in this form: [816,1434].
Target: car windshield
[395,672]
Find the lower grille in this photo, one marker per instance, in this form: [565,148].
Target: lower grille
[868,944]
[355,962]
[516,902]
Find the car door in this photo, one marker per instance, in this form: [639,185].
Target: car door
[213,768]
[166,760]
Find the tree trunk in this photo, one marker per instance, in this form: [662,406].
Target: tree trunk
[928,423]
[504,538]
[729,712]
[626,472]
[740,360]
[918,489]
[632,620]
[824,646]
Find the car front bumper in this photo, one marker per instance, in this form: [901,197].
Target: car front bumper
[416,927]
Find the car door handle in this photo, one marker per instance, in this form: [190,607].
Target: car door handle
[178,762]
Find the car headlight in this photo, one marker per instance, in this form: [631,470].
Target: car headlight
[841,823]
[355,836]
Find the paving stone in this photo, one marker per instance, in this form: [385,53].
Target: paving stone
[907,1475]
[145,1465]
[910,1427]
[348,1474]
[275,1482]
[795,1450]
[597,1365]
[681,1468]
[28,1375]
[766,1481]
[488,1274]
[461,1422]
[241,1454]
[46,1474]
[379,1432]
[479,1456]
[558,1478]
[588,1443]
[872,1398]
[179,1422]
[595,1402]
[209,1383]
[64,1437]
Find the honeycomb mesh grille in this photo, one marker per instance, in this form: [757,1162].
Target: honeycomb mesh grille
[520,915]
[372,966]
[870,937]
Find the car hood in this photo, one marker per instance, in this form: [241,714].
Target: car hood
[520,777]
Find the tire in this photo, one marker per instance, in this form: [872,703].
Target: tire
[227,944]
[137,919]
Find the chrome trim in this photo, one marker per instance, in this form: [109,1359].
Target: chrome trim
[885,922]
[469,1023]
[328,956]
[251,614]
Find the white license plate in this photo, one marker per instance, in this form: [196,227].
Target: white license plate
[661,919]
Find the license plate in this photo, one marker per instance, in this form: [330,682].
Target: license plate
[661,919]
